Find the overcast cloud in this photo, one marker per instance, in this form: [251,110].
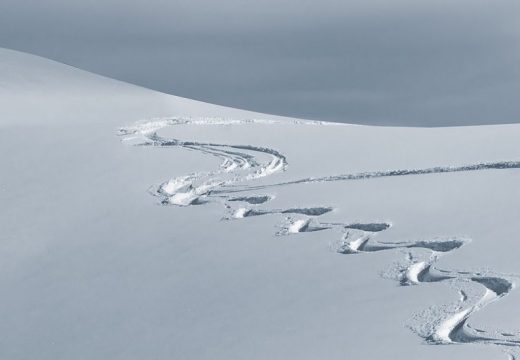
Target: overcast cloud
[379,62]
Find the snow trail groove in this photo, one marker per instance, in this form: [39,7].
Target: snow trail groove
[494,165]
[242,163]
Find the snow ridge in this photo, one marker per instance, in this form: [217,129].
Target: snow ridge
[447,324]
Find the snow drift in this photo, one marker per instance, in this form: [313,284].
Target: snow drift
[139,225]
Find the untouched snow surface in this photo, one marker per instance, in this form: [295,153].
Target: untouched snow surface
[139,225]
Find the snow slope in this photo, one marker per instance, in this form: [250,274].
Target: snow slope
[140,225]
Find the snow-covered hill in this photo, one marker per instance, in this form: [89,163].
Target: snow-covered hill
[140,225]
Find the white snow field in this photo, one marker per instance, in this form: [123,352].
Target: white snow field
[140,225]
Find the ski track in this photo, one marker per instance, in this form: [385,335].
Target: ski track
[242,163]
[495,165]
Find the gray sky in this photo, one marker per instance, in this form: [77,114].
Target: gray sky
[439,62]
